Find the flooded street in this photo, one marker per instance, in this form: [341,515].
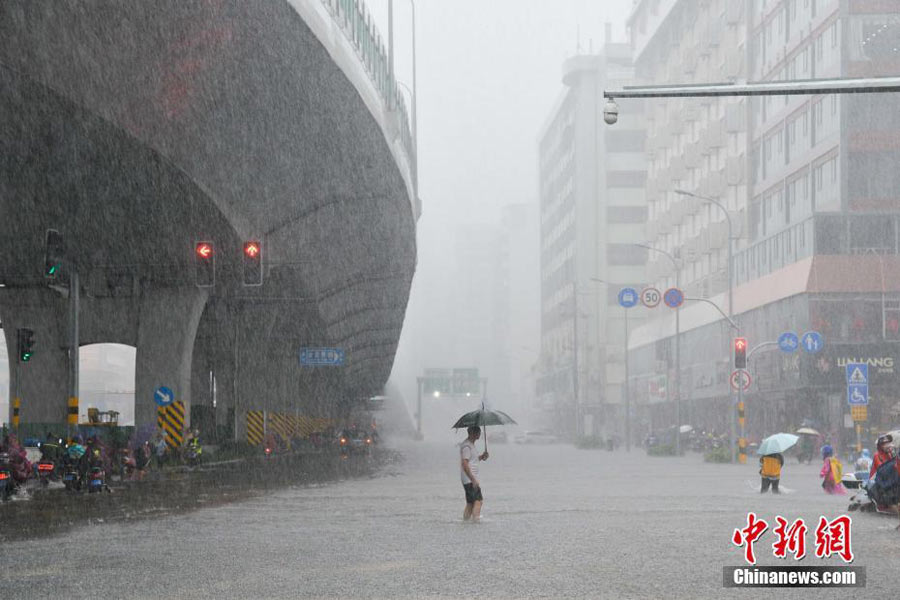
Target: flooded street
[558,523]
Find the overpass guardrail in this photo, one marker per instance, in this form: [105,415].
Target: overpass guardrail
[358,27]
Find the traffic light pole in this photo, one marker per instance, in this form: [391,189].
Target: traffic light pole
[74,301]
[419,435]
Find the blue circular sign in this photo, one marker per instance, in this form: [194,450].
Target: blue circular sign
[628,297]
[673,297]
[788,342]
[163,396]
[812,342]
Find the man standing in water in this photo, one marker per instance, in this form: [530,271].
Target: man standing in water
[469,459]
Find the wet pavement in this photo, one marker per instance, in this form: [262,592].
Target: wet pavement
[558,523]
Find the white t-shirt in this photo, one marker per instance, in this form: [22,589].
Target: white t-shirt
[467,450]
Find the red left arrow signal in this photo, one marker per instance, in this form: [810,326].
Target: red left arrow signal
[204,249]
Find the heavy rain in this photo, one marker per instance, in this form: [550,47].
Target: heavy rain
[408,299]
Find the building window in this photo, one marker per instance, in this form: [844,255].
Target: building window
[625,255]
[626,214]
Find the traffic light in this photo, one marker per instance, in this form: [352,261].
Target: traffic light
[25,344]
[54,252]
[205,264]
[740,353]
[252,263]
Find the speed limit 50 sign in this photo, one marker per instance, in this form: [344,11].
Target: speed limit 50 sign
[650,297]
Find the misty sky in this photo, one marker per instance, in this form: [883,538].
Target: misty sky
[489,72]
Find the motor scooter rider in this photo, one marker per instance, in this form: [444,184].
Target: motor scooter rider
[884,452]
[74,456]
[18,459]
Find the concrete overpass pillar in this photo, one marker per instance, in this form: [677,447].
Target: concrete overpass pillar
[42,381]
[167,327]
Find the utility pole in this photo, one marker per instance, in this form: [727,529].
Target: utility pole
[74,302]
[625,390]
[575,387]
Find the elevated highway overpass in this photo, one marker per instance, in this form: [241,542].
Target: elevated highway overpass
[137,128]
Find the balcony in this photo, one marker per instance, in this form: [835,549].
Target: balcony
[714,136]
[734,170]
[735,118]
[693,159]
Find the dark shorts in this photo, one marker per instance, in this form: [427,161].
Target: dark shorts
[472,494]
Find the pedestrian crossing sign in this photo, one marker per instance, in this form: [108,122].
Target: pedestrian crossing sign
[857,374]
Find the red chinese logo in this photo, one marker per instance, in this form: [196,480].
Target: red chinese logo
[747,536]
[833,537]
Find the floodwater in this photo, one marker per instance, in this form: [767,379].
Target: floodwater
[558,523]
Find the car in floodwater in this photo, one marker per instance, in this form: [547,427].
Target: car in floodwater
[537,436]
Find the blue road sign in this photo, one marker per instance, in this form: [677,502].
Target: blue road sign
[857,374]
[628,297]
[163,396]
[673,297]
[788,342]
[857,395]
[812,342]
[321,357]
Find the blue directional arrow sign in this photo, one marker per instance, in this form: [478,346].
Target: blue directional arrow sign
[163,396]
[628,297]
[857,395]
[788,342]
[321,357]
[812,342]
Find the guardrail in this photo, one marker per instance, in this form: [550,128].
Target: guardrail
[356,22]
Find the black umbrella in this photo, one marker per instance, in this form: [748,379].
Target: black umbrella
[482,418]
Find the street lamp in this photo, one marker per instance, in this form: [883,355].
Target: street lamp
[677,268]
[730,290]
[414,94]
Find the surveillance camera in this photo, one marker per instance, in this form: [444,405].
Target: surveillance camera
[611,112]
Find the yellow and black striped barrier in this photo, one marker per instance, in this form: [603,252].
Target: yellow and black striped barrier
[742,441]
[256,424]
[72,412]
[170,420]
[17,403]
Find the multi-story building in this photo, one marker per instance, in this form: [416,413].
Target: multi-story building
[518,305]
[592,213]
[809,185]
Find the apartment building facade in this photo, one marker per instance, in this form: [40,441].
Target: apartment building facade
[592,211]
[810,189]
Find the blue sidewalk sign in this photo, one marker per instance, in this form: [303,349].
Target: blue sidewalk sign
[788,342]
[673,298]
[812,342]
[857,395]
[163,396]
[857,374]
[321,357]
[628,297]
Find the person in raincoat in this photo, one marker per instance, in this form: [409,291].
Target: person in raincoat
[832,472]
[884,451]
[770,472]
[864,462]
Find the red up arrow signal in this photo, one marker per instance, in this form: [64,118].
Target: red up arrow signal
[251,249]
